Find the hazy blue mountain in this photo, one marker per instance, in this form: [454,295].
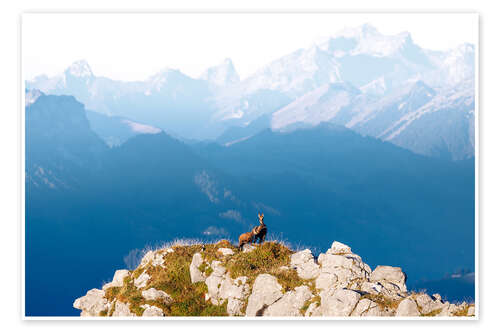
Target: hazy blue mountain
[382,68]
[89,205]
[116,130]
[328,180]
[169,99]
[443,127]
[61,149]
[237,133]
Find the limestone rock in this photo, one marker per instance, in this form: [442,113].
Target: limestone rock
[117,279]
[371,287]
[427,304]
[147,258]
[142,280]
[92,303]
[290,304]
[301,257]
[350,271]
[265,291]
[447,310]
[423,300]
[221,288]
[407,308]
[367,308]
[390,277]
[217,267]
[151,311]
[225,251]
[471,311]
[248,248]
[235,306]
[313,310]
[122,310]
[326,280]
[157,259]
[196,274]
[303,261]
[153,294]
[338,248]
[338,302]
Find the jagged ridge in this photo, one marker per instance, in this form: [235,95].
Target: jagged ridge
[264,280]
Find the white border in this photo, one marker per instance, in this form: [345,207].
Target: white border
[21,175]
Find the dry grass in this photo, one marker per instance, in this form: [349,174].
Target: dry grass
[432,313]
[189,298]
[174,278]
[265,258]
[383,301]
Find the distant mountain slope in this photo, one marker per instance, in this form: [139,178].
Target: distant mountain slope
[116,130]
[385,80]
[365,188]
[61,149]
[312,184]
[418,118]
[169,99]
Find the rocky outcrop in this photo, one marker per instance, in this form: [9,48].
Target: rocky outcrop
[265,291]
[407,308]
[92,304]
[194,269]
[141,280]
[117,279]
[303,262]
[338,302]
[290,303]
[151,311]
[152,294]
[222,288]
[335,284]
[122,310]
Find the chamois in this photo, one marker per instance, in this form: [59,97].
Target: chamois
[261,230]
[247,237]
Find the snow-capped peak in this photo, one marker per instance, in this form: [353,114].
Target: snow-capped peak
[80,68]
[365,39]
[221,75]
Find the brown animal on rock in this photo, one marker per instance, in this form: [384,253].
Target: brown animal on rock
[260,231]
[246,238]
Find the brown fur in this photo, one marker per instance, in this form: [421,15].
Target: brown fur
[246,238]
[260,231]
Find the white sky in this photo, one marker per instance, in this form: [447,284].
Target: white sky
[135,46]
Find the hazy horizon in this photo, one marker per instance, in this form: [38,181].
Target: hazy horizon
[116,49]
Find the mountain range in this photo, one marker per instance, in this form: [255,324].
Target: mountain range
[105,201]
[384,86]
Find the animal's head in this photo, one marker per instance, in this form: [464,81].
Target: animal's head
[261,218]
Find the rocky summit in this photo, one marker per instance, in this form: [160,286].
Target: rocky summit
[186,279]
